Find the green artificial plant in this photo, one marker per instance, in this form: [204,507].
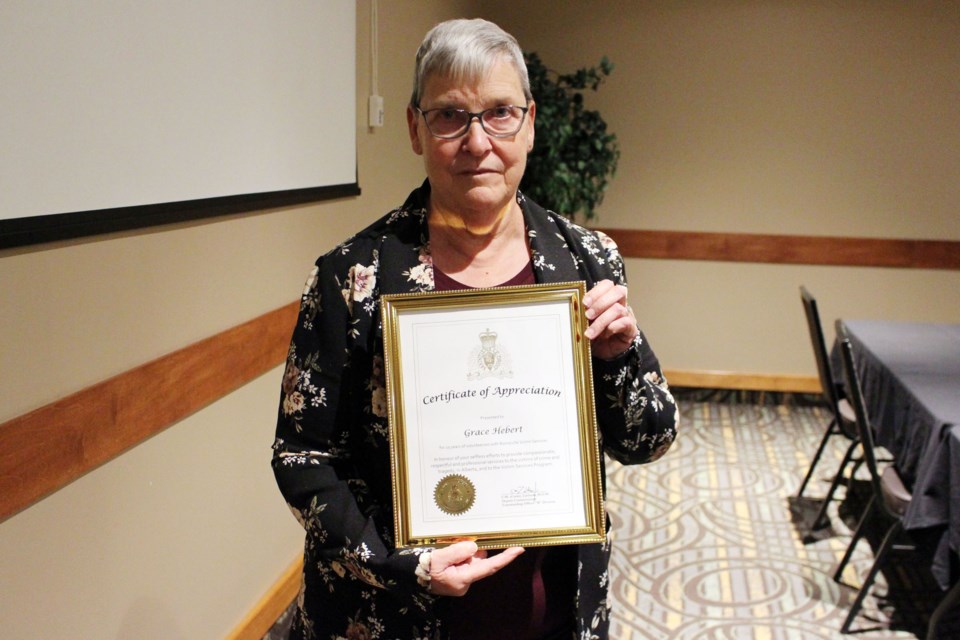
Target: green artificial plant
[574,155]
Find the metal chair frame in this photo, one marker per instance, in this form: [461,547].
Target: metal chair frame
[842,422]
[878,504]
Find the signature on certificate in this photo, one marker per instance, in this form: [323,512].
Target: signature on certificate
[524,495]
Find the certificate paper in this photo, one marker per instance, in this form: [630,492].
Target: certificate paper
[492,423]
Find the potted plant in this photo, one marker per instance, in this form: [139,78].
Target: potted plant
[574,155]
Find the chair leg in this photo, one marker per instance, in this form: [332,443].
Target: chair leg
[853,474]
[857,534]
[874,570]
[949,601]
[831,431]
[821,520]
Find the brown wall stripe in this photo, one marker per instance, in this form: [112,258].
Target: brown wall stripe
[48,448]
[784,249]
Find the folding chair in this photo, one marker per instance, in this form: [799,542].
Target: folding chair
[889,497]
[842,421]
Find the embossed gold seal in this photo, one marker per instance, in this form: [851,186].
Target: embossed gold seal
[454,494]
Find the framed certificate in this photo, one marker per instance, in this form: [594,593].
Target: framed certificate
[493,434]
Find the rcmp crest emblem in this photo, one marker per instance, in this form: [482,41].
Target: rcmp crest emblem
[488,360]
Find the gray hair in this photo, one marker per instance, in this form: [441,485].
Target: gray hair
[464,50]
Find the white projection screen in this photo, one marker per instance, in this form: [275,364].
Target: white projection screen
[121,114]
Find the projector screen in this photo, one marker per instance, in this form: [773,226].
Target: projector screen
[119,114]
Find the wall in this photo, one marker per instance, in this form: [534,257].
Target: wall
[180,537]
[747,116]
[750,116]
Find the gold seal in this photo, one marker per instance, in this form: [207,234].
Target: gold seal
[454,494]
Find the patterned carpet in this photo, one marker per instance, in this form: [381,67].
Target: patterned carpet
[709,543]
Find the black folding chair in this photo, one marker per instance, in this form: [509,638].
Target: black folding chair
[842,420]
[889,497]
[949,601]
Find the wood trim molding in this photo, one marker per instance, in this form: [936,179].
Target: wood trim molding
[264,615]
[743,381]
[46,449]
[787,249]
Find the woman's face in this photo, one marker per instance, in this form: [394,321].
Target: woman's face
[476,173]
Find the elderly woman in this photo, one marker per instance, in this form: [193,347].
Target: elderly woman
[472,118]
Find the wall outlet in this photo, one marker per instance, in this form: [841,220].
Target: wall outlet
[375,104]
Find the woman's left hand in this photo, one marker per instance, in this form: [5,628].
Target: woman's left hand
[453,569]
[612,323]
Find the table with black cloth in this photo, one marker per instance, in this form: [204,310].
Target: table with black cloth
[910,375]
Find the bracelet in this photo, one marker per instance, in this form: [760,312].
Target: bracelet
[423,570]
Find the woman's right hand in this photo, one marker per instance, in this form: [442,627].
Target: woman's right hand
[453,569]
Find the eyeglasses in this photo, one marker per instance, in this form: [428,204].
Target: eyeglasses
[498,122]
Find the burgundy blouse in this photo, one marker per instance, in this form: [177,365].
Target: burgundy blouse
[533,597]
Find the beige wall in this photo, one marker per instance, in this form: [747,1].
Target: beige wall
[738,116]
[180,537]
[751,116]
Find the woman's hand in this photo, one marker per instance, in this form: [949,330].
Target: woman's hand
[453,569]
[612,323]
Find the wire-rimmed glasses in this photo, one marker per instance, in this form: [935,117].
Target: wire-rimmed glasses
[499,122]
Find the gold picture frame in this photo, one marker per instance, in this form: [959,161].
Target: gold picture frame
[493,431]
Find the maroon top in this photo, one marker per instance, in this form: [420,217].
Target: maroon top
[533,597]
[443,282]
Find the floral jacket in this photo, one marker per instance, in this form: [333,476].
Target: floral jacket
[331,454]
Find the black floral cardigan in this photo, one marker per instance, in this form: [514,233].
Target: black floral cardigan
[331,454]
